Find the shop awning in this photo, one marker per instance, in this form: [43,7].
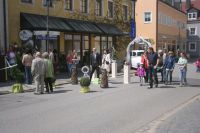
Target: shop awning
[83,26]
[110,29]
[38,22]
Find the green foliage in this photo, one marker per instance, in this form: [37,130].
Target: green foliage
[17,75]
[85,81]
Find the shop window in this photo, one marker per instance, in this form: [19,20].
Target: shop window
[192,31]
[50,3]
[147,17]
[125,12]
[98,8]
[110,9]
[192,46]
[97,43]
[27,1]
[69,5]
[84,6]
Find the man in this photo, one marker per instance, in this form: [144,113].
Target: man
[49,73]
[153,63]
[38,71]
[27,61]
[95,61]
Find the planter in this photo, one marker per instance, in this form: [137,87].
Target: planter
[85,89]
[17,88]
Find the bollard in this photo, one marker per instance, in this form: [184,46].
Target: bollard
[114,69]
[104,79]
[74,76]
[126,74]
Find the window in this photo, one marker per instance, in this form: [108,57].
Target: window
[110,9]
[69,5]
[98,8]
[84,6]
[125,12]
[192,31]
[147,17]
[50,3]
[192,16]
[27,1]
[192,46]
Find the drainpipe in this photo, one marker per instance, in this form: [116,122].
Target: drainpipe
[5,25]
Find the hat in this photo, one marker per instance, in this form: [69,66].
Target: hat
[171,52]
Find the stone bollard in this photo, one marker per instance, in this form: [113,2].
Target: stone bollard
[74,76]
[104,79]
[126,74]
[114,69]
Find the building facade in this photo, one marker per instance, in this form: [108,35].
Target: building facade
[2,30]
[72,24]
[192,8]
[162,23]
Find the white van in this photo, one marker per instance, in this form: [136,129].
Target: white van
[135,56]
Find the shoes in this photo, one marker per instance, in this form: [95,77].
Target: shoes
[140,84]
[156,85]
[149,87]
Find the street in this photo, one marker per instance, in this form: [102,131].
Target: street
[121,108]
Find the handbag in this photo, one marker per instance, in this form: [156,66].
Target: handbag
[107,62]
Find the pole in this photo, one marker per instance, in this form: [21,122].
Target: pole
[5,26]
[47,36]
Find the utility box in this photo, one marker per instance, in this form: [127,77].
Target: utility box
[3,71]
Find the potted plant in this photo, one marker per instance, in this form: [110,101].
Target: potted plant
[19,77]
[85,83]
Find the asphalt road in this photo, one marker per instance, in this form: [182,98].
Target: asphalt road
[118,109]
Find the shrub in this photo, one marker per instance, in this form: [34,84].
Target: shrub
[85,81]
[17,75]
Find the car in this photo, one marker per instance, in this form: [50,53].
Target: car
[135,56]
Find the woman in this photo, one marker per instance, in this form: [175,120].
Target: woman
[182,62]
[144,61]
[106,61]
[169,67]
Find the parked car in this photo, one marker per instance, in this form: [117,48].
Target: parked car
[135,56]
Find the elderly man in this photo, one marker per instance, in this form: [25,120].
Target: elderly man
[95,62]
[38,71]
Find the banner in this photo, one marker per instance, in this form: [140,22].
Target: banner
[133,29]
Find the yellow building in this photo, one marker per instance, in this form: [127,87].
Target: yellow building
[73,24]
[160,22]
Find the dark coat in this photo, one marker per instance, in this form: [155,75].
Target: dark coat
[97,61]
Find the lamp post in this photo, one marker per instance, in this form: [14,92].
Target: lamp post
[47,35]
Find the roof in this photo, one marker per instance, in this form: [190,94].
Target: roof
[39,22]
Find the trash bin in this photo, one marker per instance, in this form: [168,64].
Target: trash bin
[3,73]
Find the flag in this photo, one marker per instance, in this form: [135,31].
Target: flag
[133,29]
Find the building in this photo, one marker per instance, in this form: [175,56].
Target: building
[193,26]
[72,24]
[162,23]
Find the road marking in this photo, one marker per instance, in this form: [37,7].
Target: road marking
[153,125]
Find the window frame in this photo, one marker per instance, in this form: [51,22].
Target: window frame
[123,13]
[32,3]
[101,9]
[43,4]
[71,5]
[111,17]
[192,18]
[87,7]
[193,50]
[190,31]
[146,22]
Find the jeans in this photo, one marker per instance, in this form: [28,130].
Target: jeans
[182,76]
[69,67]
[153,76]
[168,75]
[28,74]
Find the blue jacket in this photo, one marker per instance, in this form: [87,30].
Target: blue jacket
[169,62]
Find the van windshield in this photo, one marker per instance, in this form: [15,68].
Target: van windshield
[140,53]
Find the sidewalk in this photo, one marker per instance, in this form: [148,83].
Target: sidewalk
[6,87]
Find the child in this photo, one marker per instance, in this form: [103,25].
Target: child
[197,64]
[141,73]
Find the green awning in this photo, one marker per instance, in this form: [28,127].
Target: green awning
[109,29]
[39,22]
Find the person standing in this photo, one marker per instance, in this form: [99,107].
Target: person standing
[27,62]
[182,63]
[169,67]
[144,61]
[197,64]
[153,63]
[11,56]
[38,72]
[141,73]
[160,64]
[95,61]
[106,61]
[49,73]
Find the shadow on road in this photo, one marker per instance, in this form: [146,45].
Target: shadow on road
[61,91]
